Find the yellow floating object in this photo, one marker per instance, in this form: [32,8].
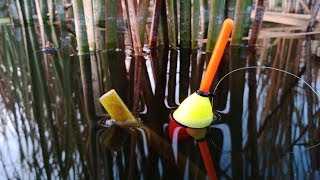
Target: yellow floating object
[117,109]
[194,112]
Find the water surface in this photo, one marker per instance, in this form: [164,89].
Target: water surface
[53,126]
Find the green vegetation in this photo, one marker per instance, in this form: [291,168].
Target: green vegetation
[58,57]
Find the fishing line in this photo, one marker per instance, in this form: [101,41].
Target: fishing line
[276,69]
[264,67]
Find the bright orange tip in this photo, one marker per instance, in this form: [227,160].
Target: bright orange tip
[217,53]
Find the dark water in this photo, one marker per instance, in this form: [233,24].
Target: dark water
[53,126]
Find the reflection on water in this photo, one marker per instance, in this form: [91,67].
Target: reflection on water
[52,124]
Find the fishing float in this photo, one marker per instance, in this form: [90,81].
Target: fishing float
[195,114]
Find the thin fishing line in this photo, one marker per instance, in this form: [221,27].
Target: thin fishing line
[259,67]
[272,68]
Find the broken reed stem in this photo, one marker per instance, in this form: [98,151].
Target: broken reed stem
[123,117]
[116,108]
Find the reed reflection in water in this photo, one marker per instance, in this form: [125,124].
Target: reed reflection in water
[52,125]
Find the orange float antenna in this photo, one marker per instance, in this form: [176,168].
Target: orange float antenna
[217,53]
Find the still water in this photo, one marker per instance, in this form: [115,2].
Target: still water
[52,125]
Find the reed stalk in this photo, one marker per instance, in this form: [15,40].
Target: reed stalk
[111,24]
[204,18]
[142,14]
[172,23]
[154,29]
[185,24]
[134,30]
[44,9]
[80,27]
[4,10]
[160,69]
[106,18]
[99,11]
[252,116]
[137,83]
[172,80]
[10,57]
[195,23]
[88,12]
[20,14]
[23,61]
[63,21]
[256,23]
[43,110]
[39,95]
[49,98]
[41,27]
[121,55]
[114,70]
[85,64]
[184,73]
[133,145]
[96,81]
[26,8]
[137,50]
[242,20]
[216,17]
[51,11]
[112,60]
[252,100]
[310,96]
[236,86]
[13,11]
[66,65]
[89,20]
[164,39]
[231,7]
[194,83]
